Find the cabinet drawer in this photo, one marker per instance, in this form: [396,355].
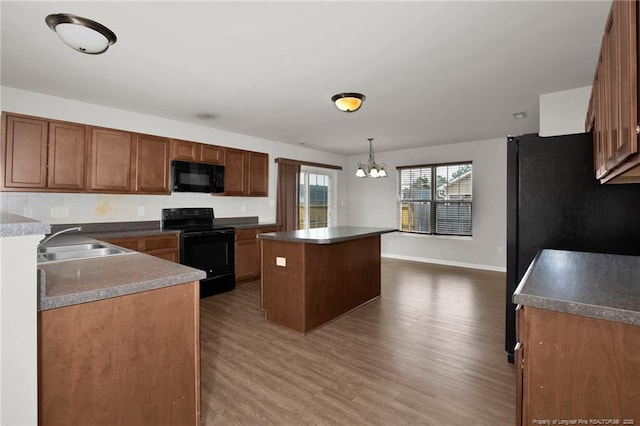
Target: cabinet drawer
[130,243]
[159,242]
[246,234]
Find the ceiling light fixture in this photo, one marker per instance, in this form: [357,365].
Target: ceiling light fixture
[348,102]
[81,34]
[371,168]
[519,115]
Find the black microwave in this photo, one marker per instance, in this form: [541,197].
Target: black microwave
[196,177]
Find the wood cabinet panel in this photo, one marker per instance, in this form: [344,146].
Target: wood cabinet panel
[613,110]
[66,157]
[163,246]
[235,172]
[247,262]
[184,150]
[246,173]
[110,165]
[25,152]
[152,164]
[121,360]
[258,174]
[579,368]
[211,154]
[198,152]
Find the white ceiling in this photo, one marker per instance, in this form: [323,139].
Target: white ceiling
[433,72]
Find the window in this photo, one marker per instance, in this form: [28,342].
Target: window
[316,198]
[435,199]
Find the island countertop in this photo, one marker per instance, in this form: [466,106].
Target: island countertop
[328,235]
[604,286]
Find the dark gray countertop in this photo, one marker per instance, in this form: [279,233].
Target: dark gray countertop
[604,286]
[87,280]
[13,225]
[329,235]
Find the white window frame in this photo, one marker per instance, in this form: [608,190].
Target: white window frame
[331,192]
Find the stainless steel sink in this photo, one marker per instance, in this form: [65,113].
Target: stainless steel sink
[79,251]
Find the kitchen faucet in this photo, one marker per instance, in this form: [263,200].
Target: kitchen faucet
[47,239]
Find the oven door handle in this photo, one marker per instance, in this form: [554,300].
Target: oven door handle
[211,232]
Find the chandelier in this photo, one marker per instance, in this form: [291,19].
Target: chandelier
[371,168]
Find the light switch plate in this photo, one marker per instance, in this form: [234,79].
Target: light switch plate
[281,261]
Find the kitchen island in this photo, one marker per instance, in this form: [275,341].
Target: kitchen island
[118,340]
[311,277]
[578,328]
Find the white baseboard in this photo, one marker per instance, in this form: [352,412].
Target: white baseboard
[446,262]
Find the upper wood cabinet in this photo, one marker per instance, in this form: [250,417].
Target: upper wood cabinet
[42,154]
[110,165]
[246,173]
[612,115]
[236,172]
[152,164]
[198,152]
[258,174]
[56,156]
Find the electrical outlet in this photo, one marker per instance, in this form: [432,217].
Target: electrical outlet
[500,250]
[27,211]
[141,211]
[281,261]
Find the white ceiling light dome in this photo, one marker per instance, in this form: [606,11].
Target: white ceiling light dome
[81,34]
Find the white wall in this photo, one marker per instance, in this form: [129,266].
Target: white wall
[82,208]
[565,112]
[18,331]
[372,202]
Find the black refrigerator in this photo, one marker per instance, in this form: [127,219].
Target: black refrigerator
[555,201]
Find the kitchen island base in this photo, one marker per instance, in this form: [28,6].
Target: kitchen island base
[306,285]
[128,360]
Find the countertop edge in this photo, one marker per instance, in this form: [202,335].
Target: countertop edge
[582,309]
[533,285]
[288,237]
[13,225]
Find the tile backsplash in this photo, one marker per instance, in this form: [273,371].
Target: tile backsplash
[56,208]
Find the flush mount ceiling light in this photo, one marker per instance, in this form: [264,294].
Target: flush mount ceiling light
[81,34]
[371,168]
[348,102]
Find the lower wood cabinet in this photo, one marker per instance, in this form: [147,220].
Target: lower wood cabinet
[248,252]
[128,360]
[576,368]
[163,246]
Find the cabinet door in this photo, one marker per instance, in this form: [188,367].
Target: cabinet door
[184,150]
[235,172]
[66,156]
[211,154]
[246,255]
[152,164]
[110,165]
[25,152]
[258,174]
[627,143]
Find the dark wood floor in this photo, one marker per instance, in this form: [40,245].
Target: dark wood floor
[429,352]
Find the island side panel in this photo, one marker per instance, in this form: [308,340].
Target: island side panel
[340,277]
[283,286]
[125,360]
